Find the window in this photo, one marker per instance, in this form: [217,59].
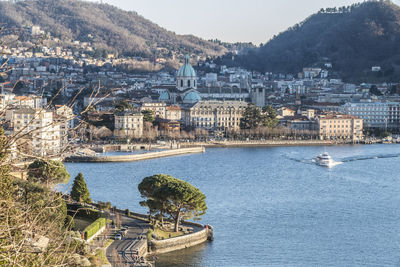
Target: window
[181,83]
[188,83]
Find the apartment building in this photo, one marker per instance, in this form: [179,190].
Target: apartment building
[338,126]
[128,124]
[375,114]
[38,127]
[64,116]
[158,109]
[173,113]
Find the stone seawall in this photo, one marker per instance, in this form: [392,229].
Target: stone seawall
[265,143]
[181,242]
[137,157]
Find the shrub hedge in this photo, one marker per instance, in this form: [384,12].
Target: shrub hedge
[94,227]
[87,213]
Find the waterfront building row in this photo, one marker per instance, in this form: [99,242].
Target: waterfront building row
[328,125]
[382,115]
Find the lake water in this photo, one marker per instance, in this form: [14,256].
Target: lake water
[274,206]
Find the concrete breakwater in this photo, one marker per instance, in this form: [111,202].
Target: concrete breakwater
[136,157]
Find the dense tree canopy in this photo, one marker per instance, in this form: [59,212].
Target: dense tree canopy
[123,105]
[48,172]
[174,197]
[148,115]
[254,117]
[375,91]
[79,191]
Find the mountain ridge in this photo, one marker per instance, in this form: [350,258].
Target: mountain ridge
[112,28]
[352,38]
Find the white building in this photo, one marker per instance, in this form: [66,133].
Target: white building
[38,126]
[215,114]
[173,113]
[128,124]
[158,108]
[64,116]
[375,114]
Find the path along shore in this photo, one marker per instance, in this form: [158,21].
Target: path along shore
[136,157]
[263,143]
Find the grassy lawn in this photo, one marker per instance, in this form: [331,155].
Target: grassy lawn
[166,234]
[81,223]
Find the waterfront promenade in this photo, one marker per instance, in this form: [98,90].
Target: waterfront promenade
[136,157]
[261,143]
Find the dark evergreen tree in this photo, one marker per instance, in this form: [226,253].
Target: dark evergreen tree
[80,192]
[174,197]
[48,172]
[148,115]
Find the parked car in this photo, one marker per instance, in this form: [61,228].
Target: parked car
[123,231]
[118,237]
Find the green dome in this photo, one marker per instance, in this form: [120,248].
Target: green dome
[164,96]
[186,70]
[192,97]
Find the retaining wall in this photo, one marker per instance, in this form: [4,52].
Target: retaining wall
[181,242]
[101,230]
[137,157]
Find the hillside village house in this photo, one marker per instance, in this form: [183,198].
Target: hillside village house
[31,101]
[128,124]
[284,112]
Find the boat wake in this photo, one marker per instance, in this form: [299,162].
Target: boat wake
[370,157]
[347,159]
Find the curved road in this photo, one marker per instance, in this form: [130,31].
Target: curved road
[118,247]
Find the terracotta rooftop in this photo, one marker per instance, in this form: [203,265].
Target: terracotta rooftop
[337,116]
[171,108]
[23,98]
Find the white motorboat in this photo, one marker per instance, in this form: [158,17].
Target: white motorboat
[326,161]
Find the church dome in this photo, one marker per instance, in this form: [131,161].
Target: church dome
[186,70]
[192,97]
[164,96]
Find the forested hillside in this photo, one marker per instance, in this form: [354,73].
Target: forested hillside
[106,26]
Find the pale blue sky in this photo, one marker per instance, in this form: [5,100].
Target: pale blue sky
[228,20]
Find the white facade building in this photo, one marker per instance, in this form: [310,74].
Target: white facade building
[215,114]
[40,128]
[128,124]
[375,114]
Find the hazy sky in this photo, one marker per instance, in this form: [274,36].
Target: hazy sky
[228,20]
